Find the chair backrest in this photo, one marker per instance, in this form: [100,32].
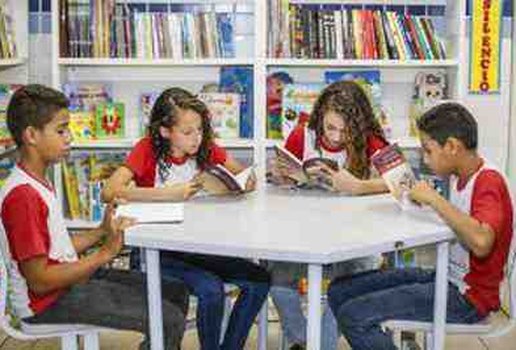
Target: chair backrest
[9,322]
[510,273]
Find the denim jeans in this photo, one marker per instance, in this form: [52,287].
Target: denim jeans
[293,322]
[362,302]
[204,276]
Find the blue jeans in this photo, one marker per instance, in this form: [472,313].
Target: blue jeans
[204,276]
[293,322]
[362,302]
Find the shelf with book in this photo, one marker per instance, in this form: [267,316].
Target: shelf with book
[12,62]
[300,62]
[154,62]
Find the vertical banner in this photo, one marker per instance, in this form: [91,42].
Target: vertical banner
[485,36]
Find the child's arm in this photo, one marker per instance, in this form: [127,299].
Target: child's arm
[118,186]
[479,237]
[43,277]
[83,241]
[343,181]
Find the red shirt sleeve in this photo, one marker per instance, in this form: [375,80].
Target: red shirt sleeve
[142,162]
[218,155]
[24,216]
[491,203]
[295,143]
[374,143]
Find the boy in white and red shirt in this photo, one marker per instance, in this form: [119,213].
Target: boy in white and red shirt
[49,282]
[479,211]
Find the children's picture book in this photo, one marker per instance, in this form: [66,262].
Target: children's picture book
[397,173]
[275,84]
[146,102]
[224,113]
[6,91]
[110,120]
[430,89]
[217,180]
[153,212]
[299,171]
[297,103]
[82,126]
[240,80]
[370,81]
[86,96]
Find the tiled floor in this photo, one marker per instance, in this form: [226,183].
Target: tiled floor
[130,340]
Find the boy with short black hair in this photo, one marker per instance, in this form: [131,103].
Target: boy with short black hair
[479,211]
[50,282]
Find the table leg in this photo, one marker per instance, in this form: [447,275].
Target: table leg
[314,307]
[154,299]
[262,326]
[441,295]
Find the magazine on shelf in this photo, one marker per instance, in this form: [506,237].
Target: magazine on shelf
[152,212]
[218,180]
[397,173]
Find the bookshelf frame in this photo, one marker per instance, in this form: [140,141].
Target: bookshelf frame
[261,64]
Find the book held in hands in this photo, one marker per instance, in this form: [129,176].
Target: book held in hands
[300,171]
[218,180]
[395,170]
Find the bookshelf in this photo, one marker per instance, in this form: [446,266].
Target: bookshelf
[14,68]
[252,50]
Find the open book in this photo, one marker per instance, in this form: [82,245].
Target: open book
[218,180]
[153,212]
[394,169]
[299,171]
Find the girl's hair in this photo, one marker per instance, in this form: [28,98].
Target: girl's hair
[348,100]
[165,113]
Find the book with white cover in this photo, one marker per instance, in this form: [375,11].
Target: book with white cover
[153,212]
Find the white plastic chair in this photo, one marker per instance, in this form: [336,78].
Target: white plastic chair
[487,328]
[20,330]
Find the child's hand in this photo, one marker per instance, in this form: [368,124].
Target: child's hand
[250,185]
[423,193]
[191,187]
[341,180]
[114,229]
[279,173]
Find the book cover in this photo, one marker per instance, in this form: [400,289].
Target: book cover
[86,96]
[82,126]
[146,102]
[110,120]
[153,212]
[240,80]
[224,113]
[297,104]
[397,173]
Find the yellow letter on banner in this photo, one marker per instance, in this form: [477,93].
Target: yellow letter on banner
[485,47]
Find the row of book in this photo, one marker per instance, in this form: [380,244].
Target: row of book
[7,35]
[357,34]
[108,29]
[83,178]
[6,91]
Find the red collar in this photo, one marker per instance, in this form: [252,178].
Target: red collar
[43,182]
[332,149]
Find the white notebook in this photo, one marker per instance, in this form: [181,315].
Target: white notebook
[153,212]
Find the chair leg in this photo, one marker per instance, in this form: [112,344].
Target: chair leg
[91,341]
[226,316]
[69,342]
[429,341]
[396,337]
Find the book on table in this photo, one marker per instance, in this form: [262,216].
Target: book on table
[152,212]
